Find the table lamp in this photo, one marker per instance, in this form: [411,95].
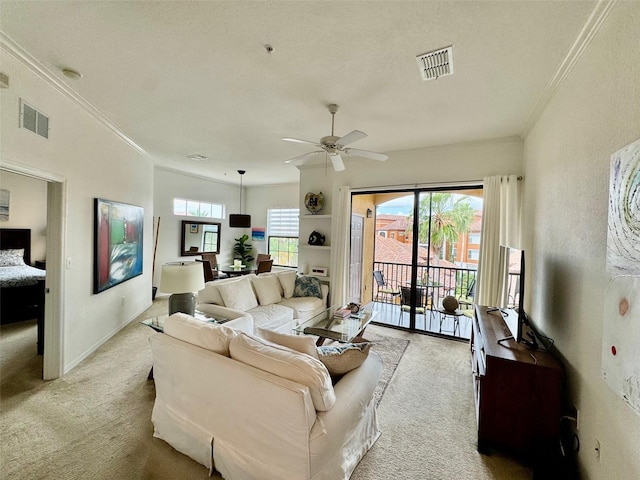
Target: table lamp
[181,279]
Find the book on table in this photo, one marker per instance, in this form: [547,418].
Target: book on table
[342,313]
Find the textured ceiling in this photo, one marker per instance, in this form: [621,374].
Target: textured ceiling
[180,78]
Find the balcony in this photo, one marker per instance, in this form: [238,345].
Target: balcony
[435,283]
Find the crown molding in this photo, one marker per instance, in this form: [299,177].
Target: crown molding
[12,48]
[598,16]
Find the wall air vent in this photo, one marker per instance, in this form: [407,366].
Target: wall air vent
[435,64]
[33,120]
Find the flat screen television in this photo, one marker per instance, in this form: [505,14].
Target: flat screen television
[516,322]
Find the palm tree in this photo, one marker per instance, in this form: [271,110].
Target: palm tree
[450,216]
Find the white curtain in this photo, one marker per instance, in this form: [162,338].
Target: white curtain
[340,260]
[501,227]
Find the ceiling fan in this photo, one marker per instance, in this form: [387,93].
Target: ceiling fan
[335,146]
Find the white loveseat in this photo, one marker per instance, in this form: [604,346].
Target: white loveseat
[256,410]
[268,299]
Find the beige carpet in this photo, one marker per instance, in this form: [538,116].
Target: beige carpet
[94,423]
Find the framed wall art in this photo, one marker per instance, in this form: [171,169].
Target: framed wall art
[118,229]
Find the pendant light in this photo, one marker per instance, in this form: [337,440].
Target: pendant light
[238,220]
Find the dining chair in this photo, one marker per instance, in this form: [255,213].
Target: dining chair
[383,287]
[212,258]
[207,270]
[264,266]
[261,257]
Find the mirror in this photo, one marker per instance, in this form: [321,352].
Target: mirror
[199,238]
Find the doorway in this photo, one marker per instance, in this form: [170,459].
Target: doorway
[52,362]
[425,247]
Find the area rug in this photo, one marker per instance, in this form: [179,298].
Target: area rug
[391,350]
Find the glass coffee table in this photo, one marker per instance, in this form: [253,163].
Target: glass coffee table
[157,323]
[325,325]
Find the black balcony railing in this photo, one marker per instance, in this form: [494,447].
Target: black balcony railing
[444,281]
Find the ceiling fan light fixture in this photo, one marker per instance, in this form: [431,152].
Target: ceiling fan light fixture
[240,220]
[333,146]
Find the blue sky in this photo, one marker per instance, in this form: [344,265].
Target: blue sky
[404,205]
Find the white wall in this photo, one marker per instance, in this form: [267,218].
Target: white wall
[447,163]
[595,112]
[260,199]
[168,185]
[94,162]
[27,209]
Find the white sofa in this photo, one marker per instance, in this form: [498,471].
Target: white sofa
[229,400]
[268,299]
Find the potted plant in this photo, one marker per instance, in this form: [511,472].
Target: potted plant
[242,250]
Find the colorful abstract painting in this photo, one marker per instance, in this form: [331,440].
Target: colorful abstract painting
[623,237]
[118,243]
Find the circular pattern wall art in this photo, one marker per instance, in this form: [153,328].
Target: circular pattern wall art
[314,202]
[623,237]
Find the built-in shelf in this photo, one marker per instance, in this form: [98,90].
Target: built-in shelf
[313,217]
[316,247]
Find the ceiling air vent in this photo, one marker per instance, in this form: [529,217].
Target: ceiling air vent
[437,63]
[33,120]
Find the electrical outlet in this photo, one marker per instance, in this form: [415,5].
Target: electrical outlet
[597,449]
[124,300]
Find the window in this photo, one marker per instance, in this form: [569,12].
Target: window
[474,238]
[195,208]
[283,232]
[473,254]
[210,241]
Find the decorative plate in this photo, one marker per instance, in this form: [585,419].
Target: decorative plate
[314,202]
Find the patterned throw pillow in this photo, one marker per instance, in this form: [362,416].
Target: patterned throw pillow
[13,257]
[307,286]
[340,359]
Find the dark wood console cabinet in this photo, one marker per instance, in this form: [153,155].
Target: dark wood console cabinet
[517,388]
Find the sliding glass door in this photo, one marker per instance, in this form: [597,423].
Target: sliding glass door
[426,246]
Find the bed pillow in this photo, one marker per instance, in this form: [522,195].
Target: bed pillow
[13,257]
[238,295]
[299,343]
[286,363]
[267,289]
[342,358]
[307,286]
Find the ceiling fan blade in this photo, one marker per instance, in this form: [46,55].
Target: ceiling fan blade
[366,154]
[302,157]
[336,160]
[297,140]
[351,137]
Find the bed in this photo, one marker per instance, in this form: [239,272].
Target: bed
[21,285]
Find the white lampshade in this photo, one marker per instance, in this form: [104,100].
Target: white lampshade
[182,277]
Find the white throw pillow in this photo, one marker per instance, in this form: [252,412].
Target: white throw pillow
[286,363]
[267,289]
[207,335]
[288,281]
[342,358]
[299,343]
[238,295]
[274,275]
